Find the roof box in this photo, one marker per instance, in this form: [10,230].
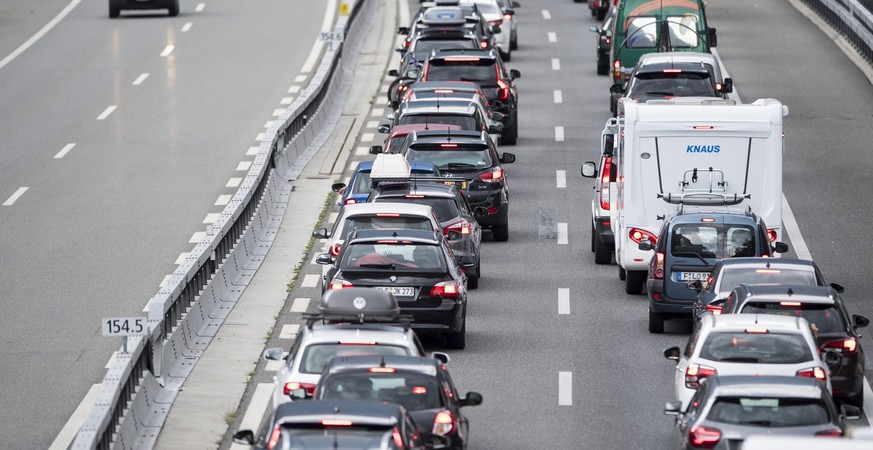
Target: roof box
[445,16]
[359,305]
[390,166]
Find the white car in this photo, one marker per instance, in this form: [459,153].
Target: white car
[747,344]
[508,7]
[493,13]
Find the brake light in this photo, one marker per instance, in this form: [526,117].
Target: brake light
[704,437]
[382,370]
[604,183]
[443,91]
[413,196]
[504,88]
[443,423]
[335,249]
[771,234]
[658,271]
[616,70]
[350,201]
[483,44]
[402,88]
[387,214]
[448,145]
[507,17]
[419,390]
[707,219]
[447,289]
[836,432]
[714,309]
[843,345]
[773,271]
[789,303]
[495,22]
[494,176]
[813,372]
[274,438]
[339,284]
[694,373]
[639,235]
[462,227]
[757,330]
[703,127]
[356,342]
[336,423]
[293,386]
[462,59]
[672,70]
[398,440]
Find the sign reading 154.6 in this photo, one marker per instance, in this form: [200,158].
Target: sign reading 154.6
[124,326]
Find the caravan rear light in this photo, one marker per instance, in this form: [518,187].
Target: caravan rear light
[494,176]
[658,272]
[703,127]
[604,182]
[638,235]
[771,234]
[447,289]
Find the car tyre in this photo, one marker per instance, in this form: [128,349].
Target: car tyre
[473,282]
[174,8]
[602,252]
[593,238]
[601,13]
[513,44]
[602,67]
[510,135]
[634,281]
[857,401]
[622,274]
[458,341]
[114,11]
[656,322]
[500,232]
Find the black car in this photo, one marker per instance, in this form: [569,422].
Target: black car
[418,267]
[485,68]
[474,157]
[688,246]
[462,17]
[336,424]
[823,308]
[599,8]
[604,41]
[421,385]
[115,6]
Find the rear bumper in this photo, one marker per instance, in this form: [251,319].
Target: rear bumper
[142,4]
[446,317]
[681,308]
[491,199]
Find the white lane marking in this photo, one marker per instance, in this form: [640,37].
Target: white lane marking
[257,408]
[199,8]
[286,101]
[260,137]
[181,258]
[269,123]
[331,218]
[553,37]
[326,25]
[39,34]
[167,50]
[310,280]
[142,77]
[373,124]
[277,113]
[187,26]
[106,112]
[197,237]
[71,428]
[546,14]
[561,176]
[565,389]
[556,64]
[289,331]
[212,218]
[223,200]
[252,151]
[562,233]
[233,182]
[298,79]
[65,150]
[559,133]
[9,201]
[563,301]
[558,96]
[377,112]
[382,100]
[301,304]
[362,151]
[243,166]
[273,366]
[367,137]
[295,89]
[384,88]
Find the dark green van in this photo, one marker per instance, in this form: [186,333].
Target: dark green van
[649,26]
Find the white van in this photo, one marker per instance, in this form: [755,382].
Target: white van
[692,151]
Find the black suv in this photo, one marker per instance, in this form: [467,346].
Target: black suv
[472,156]
[485,68]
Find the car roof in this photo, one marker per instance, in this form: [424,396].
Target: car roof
[739,322]
[359,412]
[403,130]
[421,364]
[762,263]
[725,217]
[363,209]
[432,106]
[677,57]
[414,236]
[798,293]
[766,386]
[455,85]
[479,53]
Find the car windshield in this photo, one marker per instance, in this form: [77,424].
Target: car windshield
[752,348]
[731,277]
[445,208]
[823,318]
[465,122]
[712,240]
[456,159]
[670,84]
[769,412]
[397,255]
[426,45]
[316,356]
[414,391]
[473,69]
[347,437]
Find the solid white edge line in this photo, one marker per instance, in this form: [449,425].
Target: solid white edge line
[558,96]
[562,233]
[326,25]
[142,77]
[300,304]
[39,34]
[14,197]
[71,428]
[106,112]
[563,301]
[65,150]
[561,178]
[257,408]
[565,388]
[167,50]
[289,331]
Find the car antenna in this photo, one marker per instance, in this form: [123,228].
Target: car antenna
[425,123]
[790,292]
[382,364]
[768,264]
[394,234]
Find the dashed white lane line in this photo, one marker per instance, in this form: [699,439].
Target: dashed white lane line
[331,218]
[384,88]
[244,166]
[71,428]
[289,331]
[559,133]
[65,150]
[167,50]
[294,89]
[367,137]
[187,26]
[197,237]
[269,123]
[212,218]
[11,200]
[565,389]
[310,280]
[373,124]
[260,137]
[556,64]
[362,151]
[106,112]
[223,200]
[273,366]
[257,408]
[39,34]
[142,77]
[382,100]
[562,233]
[552,36]
[546,14]
[326,26]
[200,7]
[181,258]
[286,101]
[233,182]
[377,112]
[563,301]
[561,178]
[252,151]
[558,96]
[277,113]
[300,304]
[298,79]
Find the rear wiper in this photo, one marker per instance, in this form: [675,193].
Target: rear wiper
[692,254]
[474,80]
[748,359]
[379,266]
[763,423]
[458,166]
[658,93]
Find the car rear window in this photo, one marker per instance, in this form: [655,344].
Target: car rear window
[426,45]
[445,208]
[397,256]
[355,436]
[414,391]
[769,412]
[769,348]
[316,356]
[476,70]
[730,278]
[459,158]
[404,222]
[465,122]
[825,318]
[684,84]
[712,240]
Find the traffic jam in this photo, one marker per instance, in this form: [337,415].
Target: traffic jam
[687,205]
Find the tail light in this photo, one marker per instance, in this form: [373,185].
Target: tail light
[447,289]
[398,440]
[658,271]
[507,17]
[334,249]
[616,70]
[813,372]
[293,386]
[494,176]
[383,370]
[339,284]
[443,423]
[836,432]
[483,44]
[714,309]
[694,373]
[605,177]
[402,88]
[462,227]
[704,437]
[771,234]
[274,437]
[638,235]
[849,345]
[336,423]
[350,201]
[608,40]
[504,88]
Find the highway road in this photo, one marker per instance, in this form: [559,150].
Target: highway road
[120,138]
[561,354]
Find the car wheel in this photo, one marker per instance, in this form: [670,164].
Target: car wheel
[602,67]
[601,13]
[593,237]
[857,401]
[509,136]
[473,282]
[458,340]
[634,281]
[500,232]
[656,322]
[622,274]
[513,44]
[174,8]
[602,252]
[114,11]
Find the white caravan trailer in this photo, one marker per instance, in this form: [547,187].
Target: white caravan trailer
[692,151]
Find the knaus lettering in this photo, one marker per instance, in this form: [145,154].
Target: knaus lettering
[703,149]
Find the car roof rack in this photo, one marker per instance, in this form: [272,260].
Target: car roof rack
[704,198]
[358,305]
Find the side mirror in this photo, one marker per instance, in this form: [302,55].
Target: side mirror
[713,37]
[274,354]
[320,233]
[859,321]
[645,245]
[673,408]
[514,74]
[728,86]
[390,116]
[507,158]
[466,261]
[616,89]
[589,170]
[384,128]
[336,187]
[695,285]
[376,149]
[510,12]
[850,412]
[480,211]
[497,128]
[400,49]
[515,5]
[832,358]
[498,116]
[495,29]
[594,29]
[299,394]
[393,104]
[393,73]
[780,247]
[672,353]
[403,30]
[245,437]
[441,357]
[838,287]
[324,259]
[471,399]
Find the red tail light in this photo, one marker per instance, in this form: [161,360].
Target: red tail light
[443,423]
[334,249]
[383,370]
[495,22]
[638,235]
[695,372]
[672,70]
[714,309]
[504,88]
[293,386]
[350,201]
[336,423]
[462,227]
[843,345]
[494,176]
[339,284]
[704,437]
[608,41]
[771,234]
[616,70]
[836,432]
[483,44]
[274,437]
[658,271]
[507,17]
[398,440]
[446,289]
[813,372]
[605,177]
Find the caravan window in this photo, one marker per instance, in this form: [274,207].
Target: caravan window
[642,32]
[683,31]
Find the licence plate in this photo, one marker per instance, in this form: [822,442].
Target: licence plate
[692,276]
[461,184]
[398,291]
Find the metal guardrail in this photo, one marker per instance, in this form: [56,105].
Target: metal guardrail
[851,18]
[139,388]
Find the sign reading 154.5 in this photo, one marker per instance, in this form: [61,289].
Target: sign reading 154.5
[124,326]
